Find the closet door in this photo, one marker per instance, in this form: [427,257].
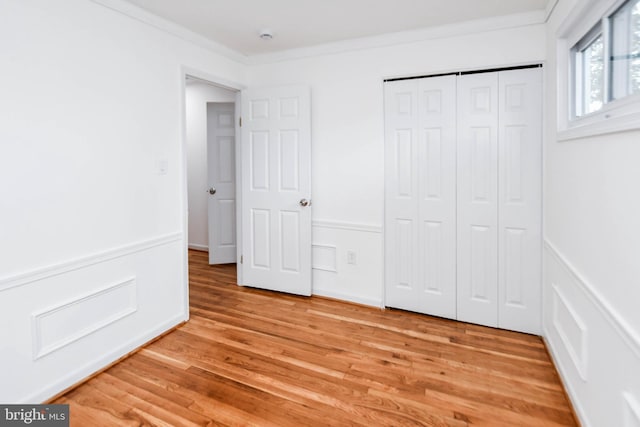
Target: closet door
[437,196]
[420,135]
[401,242]
[519,200]
[477,260]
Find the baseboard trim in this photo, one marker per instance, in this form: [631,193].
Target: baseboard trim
[196,247]
[91,370]
[620,325]
[41,273]
[371,302]
[568,390]
[350,226]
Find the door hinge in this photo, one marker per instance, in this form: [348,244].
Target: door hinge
[240,121]
[241,259]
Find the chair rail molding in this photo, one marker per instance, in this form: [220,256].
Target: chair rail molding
[49,271]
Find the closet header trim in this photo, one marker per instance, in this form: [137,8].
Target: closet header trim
[462,73]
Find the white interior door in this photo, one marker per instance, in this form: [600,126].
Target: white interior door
[520,202]
[420,199]
[478,198]
[276,189]
[221,179]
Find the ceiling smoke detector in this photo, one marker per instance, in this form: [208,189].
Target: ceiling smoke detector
[266,34]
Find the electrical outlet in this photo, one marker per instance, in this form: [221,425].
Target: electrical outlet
[351,257]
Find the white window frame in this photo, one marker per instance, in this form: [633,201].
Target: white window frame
[616,115]
[579,79]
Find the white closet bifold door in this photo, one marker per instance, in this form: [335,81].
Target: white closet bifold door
[478,198]
[519,199]
[463,178]
[420,137]
[437,196]
[401,113]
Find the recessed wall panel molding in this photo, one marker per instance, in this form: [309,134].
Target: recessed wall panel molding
[64,323]
[620,325]
[347,262]
[572,331]
[86,316]
[595,355]
[324,257]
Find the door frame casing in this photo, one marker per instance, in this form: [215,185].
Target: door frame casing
[186,71]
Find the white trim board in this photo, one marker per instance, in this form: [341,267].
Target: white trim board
[350,226]
[568,385]
[345,297]
[201,248]
[46,272]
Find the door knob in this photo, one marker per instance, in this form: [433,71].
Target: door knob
[304,202]
[212,190]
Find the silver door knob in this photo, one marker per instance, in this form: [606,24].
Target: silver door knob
[304,202]
[212,190]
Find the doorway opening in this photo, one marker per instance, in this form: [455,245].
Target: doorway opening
[272,180]
[210,111]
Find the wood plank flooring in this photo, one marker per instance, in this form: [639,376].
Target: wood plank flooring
[255,358]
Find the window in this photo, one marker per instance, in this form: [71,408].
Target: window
[589,60]
[605,65]
[625,50]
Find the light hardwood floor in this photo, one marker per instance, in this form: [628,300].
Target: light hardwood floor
[256,358]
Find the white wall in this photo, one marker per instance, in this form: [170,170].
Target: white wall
[91,246]
[348,134]
[91,243]
[592,273]
[197,95]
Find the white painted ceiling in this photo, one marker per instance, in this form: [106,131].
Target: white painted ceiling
[237,24]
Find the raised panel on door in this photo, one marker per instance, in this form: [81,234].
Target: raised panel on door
[477,198]
[420,195]
[276,178]
[221,178]
[520,183]
[401,242]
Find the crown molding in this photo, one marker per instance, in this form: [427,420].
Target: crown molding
[141,15]
[404,37]
[548,11]
[362,43]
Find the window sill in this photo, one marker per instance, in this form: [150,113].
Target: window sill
[622,116]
